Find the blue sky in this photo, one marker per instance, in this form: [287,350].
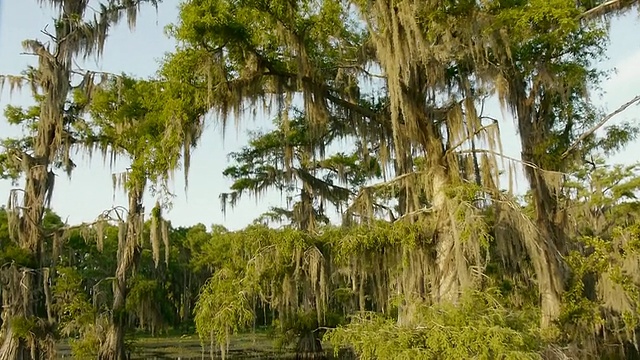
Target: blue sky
[138,53]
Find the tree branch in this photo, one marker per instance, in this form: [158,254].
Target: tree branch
[471,136]
[599,125]
[606,8]
[524,163]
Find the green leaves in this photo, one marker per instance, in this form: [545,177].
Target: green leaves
[223,308]
[142,120]
[254,51]
[478,327]
[293,160]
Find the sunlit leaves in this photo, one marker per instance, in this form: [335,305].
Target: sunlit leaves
[223,308]
[141,119]
[603,196]
[478,327]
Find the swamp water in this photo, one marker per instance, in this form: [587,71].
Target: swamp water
[242,347]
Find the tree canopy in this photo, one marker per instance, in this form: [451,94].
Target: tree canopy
[378,115]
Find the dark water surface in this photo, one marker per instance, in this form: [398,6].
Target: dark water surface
[242,347]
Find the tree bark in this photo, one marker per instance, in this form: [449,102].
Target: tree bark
[546,252]
[113,347]
[15,348]
[21,285]
[309,346]
[447,287]
[17,304]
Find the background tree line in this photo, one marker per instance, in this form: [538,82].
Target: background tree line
[378,114]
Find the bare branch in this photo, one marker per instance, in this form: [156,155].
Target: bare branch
[525,163]
[471,136]
[416,212]
[599,125]
[361,69]
[607,7]
[48,34]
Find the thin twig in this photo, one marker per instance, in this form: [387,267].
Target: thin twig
[525,163]
[470,137]
[416,212]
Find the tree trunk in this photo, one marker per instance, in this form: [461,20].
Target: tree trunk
[546,251]
[22,285]
[20,307]
[113,348]
[447,287]
[17,305]
[309,346]
[15,348]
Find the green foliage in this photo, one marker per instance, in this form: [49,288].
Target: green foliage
[145,300]
[12,253]
[223,307]
[603,196]
[129,119]
[76,313]
[380,235]
[478,327]
[253,26]
[86,347]
[16,115]
[544,30]
[24,328]
[290,332]
[293,160]
[196,239]
[605,291]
